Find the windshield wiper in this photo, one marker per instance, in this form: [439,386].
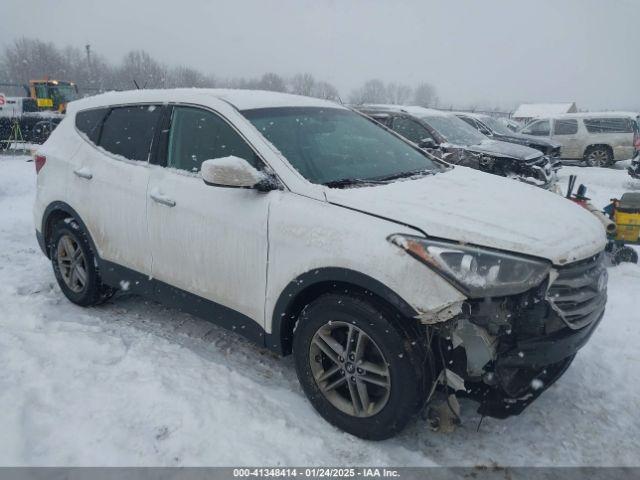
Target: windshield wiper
[411,173]
[348,182]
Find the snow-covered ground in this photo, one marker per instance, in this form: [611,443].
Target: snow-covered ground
[134,383]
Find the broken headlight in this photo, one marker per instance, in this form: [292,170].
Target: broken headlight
[476,271]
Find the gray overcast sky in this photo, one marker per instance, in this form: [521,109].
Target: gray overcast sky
[491,52]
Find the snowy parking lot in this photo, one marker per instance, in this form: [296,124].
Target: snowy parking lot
[134,383]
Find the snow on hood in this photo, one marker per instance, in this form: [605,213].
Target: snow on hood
[483,209]
[504,149]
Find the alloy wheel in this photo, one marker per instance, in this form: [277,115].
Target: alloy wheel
[72,264]
[349,369]
[597,158]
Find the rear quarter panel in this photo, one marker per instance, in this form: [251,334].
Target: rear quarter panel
[53,179]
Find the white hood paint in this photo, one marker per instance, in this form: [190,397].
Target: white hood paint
[474,207]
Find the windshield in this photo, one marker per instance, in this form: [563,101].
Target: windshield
[454,130]
[329,145]
[496,125]
[63,93]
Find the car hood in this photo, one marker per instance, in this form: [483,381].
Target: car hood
[468,206]
[504,149]
[520,137]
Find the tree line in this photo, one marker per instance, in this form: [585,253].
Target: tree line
[27,59]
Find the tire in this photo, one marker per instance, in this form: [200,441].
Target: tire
[393,350]
[598,156]
[70,251]
[625,254]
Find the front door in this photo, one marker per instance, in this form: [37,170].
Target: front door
[208,240]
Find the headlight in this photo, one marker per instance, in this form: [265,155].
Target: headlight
[475,271]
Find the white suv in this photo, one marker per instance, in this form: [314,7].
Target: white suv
[597,139]
[312,230]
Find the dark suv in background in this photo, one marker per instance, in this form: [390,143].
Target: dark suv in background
[456,142]
[493,128]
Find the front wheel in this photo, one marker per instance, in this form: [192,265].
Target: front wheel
[361,368]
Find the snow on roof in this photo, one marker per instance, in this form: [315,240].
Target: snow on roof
[413,110]
[610,114]
[241,99]
[533,110]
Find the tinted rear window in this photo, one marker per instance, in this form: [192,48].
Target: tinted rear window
[609,125]
[89,122]
[128,131]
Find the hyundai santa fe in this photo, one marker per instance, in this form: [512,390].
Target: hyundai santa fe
[314,231]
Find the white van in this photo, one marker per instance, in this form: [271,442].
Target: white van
[312,230]
[597,139]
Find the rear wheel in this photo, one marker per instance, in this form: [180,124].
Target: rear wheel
[599,156]
[361,370]
[75,266]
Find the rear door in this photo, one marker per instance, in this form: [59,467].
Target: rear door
[111,177]
[566,133]
[617,132]
[207,240]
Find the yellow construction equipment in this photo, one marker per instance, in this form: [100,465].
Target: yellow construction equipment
[53,94]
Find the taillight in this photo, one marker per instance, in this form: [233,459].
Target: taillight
[39,161]
[636,140]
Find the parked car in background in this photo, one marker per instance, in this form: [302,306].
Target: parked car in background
[458,143]
[595,139]
[510,123]
[314,231]
[493,128]
[35,125]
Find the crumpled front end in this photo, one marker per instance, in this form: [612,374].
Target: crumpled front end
[509,350]
[539,170]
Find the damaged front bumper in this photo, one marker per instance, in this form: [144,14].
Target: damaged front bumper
[509,350]
[634,168]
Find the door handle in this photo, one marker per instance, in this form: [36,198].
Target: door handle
[86,174]
[162,200]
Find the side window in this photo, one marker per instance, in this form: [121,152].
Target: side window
[197,135]
[128,131]
[540,128]
[609,125]
[90,121]
[410,129]
[565,127]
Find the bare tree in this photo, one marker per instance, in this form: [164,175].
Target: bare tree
[325,90]
[187,77]
[138,67]
[27,59]
[302,84]
[373,91]
[273,82]
[425,95]
[398,94]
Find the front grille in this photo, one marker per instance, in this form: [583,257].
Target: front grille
[578,293]
[540,168]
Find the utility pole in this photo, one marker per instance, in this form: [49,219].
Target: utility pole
[89,66]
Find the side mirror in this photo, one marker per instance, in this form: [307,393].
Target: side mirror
[428,143]
[235,172]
